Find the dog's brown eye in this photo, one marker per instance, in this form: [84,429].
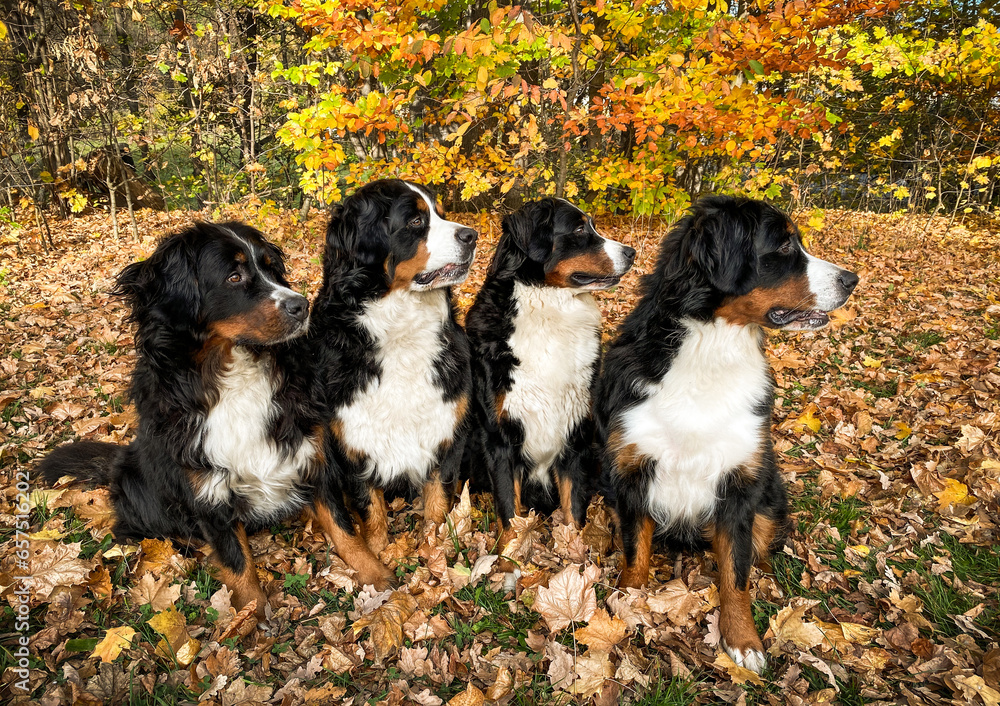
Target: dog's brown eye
[786,247]
[580,230]
[417,222]
[235,278]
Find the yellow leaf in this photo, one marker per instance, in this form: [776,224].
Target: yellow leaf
[857,633]
[903,430]
[32,131]
[482,77]
[46,535]
[116,640]
[3,31]
[550,83]
[870,362]
[507,185]
[862,549]
[954,493]
[808,421]
[676,59]
[176,643]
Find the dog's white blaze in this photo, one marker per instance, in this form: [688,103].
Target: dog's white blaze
[823,283]
[698,422]
[556,341]
[236,441]
[442,245]
[400,420]
[616,253]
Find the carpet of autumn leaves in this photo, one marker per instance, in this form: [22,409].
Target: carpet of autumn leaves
[885,591]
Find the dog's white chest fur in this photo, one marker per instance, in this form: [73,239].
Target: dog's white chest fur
[556,341]
[237,443]
[698,422]
[401,419]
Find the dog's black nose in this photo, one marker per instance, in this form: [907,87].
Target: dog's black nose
[629,254]
[296,307]
[466,235]
[848,280]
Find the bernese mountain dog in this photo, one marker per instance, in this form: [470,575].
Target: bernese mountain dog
[394,360]
[232,430]
[685,399]
[535,332]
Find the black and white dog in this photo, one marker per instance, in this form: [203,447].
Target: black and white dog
[232,432]
[535,331]
[396,363]
[684,403]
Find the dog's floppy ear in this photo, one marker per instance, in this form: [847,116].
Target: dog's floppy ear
[531,229]
[721,244]
[357,231]
[167,280]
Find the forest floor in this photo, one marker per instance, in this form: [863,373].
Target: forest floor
[887,590]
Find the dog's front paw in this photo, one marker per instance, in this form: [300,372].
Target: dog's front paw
[510,580]
[748,657]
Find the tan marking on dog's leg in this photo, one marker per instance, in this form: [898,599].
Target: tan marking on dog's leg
[436,503]
[376,527]
[739,634]
[764,531]
[636,574]
[518,507]
[245,584]
[566,500]
[353,549]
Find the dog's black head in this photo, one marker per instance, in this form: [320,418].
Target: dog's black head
[216,279]
[751,256]
[397,229]
[553,242]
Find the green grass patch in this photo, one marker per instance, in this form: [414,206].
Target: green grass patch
[508,627]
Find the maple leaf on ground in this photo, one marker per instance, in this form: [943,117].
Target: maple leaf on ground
[525,531]
[115,640]
[58,565]
[569,544]
[160,557]
[591,670]
[675,600]
[603,632]
[385,623]
[158,593]
[560,671]
[788,625]
[569,598]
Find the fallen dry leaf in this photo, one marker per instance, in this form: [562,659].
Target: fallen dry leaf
[569,597]
[386,623]
[115,640]
[602,632]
